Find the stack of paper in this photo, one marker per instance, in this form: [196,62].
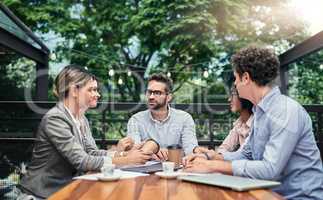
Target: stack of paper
[117,172]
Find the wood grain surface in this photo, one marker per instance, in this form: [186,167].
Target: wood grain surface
[154,188]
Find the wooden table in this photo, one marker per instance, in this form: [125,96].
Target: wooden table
[154,188]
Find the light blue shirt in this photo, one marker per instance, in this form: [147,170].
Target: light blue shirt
[177,129]
[281,147]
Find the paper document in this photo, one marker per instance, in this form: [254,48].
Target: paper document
[122,174]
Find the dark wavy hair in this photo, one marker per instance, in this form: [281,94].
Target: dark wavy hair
[163,79]
[261,63]
[245,103]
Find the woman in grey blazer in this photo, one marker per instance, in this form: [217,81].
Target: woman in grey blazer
[65,146]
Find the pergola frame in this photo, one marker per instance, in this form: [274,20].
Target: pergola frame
[311,45]
[20,46]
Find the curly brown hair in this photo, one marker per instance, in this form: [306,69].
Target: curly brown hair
[261,64]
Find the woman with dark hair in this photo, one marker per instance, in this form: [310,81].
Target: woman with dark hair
[241,127]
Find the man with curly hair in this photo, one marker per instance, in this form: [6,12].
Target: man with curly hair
[281,145]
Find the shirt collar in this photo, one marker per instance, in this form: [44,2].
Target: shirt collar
[265,103]
[163,121]
[248,122]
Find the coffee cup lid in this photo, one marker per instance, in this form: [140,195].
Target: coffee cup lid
[174,146]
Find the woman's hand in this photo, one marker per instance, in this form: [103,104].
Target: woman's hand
[213,155]
[161,155]
[199,149]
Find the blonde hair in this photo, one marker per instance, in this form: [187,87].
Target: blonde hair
[70,75]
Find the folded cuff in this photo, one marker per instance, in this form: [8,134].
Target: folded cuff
[238,167]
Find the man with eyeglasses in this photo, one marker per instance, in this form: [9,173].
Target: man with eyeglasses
[162,123]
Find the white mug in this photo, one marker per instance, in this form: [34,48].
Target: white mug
[108,170]
[168,167]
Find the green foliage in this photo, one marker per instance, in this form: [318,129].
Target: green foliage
[145,36]
[305,77]
[15,75]
[184,37]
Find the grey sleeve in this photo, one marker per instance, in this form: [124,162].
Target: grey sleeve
[90,145]
[189,135]
[91,148]
[59,132]
[133,130]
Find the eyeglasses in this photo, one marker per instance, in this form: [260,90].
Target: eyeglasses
[156,93]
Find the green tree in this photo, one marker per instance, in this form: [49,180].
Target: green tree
[305,77]
[144,36]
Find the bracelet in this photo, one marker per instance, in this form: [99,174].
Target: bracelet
[207,156]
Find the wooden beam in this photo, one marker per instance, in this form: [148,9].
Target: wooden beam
[22,47]
[23,27]
[42,81]
[299,51]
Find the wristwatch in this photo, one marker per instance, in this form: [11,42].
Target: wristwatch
[207,156]
[158,146]
[122,153]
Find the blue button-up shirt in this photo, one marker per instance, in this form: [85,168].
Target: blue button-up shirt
[281,147]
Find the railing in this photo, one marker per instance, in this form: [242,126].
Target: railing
[27,117]
[19,121]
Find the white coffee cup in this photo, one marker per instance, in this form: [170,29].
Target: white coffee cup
[108,169]
[168,167]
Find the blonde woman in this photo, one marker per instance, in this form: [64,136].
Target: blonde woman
[65,146]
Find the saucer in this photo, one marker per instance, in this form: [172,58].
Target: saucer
[167,175]
[109,178]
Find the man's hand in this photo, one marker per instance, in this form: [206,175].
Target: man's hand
[200,165]
[161,155]
[125,144]
[138,146]
[138,157]
[187,160]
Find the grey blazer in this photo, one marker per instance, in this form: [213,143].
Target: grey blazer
[60,153]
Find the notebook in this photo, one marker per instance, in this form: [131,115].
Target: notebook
[233,182]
